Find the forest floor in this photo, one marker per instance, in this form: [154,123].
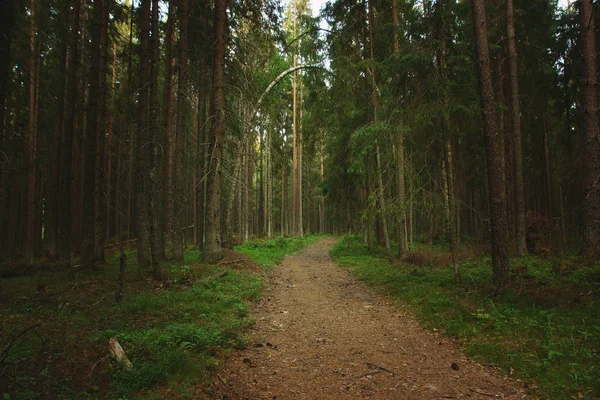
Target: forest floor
[322,334]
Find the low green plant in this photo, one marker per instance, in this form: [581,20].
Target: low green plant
[269,253]
[545,330]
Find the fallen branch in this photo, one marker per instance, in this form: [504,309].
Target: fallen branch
[380,368]
[11,343]
[230,262]
[377,371]
[97,362]
[117,352]
[483,393]
[216,276]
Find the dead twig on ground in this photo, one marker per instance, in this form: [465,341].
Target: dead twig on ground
[11,343]
[97,362]
[230,262]
[483,393]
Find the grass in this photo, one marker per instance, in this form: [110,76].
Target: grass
[175,336]
[545,332]
[269,253]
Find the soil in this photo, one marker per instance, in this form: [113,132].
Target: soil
[321,334]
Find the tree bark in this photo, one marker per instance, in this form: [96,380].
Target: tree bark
[142,184]
[154,160]
[375,99]
[591,136]
[168,119]
[66,160]
[102,151]
[180,159]
[399,155]
[51,224]
[213,251]
[499,227]
[88,253]
[516,130]
[32,137]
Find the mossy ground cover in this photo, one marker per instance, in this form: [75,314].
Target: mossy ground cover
[55,326]
[544,331]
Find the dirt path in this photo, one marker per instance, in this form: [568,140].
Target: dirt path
[321,334]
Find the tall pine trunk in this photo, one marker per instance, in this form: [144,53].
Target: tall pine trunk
[168,120]
[591,136]
[154,159]
[142,184]
[66,160]
[180,160]
[32,137]
[399,156]
[375,99]
[212,249]
[499,226]
[515,117]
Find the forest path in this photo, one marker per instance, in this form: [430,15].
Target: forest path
[321,334]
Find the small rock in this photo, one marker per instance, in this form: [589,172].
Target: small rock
[455,366]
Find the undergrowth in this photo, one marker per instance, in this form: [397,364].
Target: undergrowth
[545,331]
[175,336]
[269,253]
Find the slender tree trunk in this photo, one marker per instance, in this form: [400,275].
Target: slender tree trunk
[168,119]
[547,169]
[322,202]
[213,250]
[591,136]
[102,151]
[179,192]
[516,130]
[142,184]
[51,225]
[32,137]
[499,227]
[375,99]
[399,155]
[296,141]
[154,160]
[6,21]
[110,209]
[66,160]
[88,253]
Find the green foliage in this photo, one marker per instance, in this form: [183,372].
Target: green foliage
[269,253]
[181,330]
[546,331]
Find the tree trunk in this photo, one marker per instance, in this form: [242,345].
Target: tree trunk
[142,185]
[168,119]
[499,227]
[154,160]
[102,151]
[6,21]
[180,159]
[591,136]
[51,224]
[213,251]
[516,130]
[32,137]
[66,161]
[375,99]
[109,147]
[399,156]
